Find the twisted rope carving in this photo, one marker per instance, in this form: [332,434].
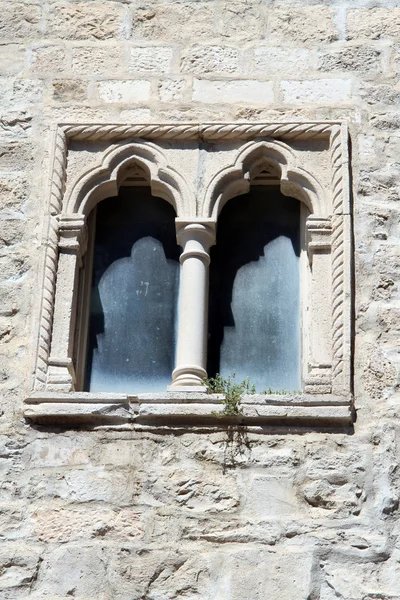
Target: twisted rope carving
[337,253]
[192,131]
[304,131]
[51,258]
[337,170]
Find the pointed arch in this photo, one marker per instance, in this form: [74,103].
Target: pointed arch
[103,181]
[276,156]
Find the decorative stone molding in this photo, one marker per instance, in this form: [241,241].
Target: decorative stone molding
[311,162]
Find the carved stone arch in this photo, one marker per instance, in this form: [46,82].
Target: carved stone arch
[235,180]
[102,181]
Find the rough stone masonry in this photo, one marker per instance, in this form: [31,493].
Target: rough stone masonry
[104,514]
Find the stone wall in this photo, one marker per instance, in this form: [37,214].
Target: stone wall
[129,515]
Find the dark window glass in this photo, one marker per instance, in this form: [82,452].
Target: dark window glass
[254,313]
[134,294]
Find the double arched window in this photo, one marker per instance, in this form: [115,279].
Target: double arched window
[176,252]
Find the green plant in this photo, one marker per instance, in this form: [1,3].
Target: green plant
[232,390]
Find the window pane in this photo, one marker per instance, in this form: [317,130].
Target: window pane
[134,294]
[254,319]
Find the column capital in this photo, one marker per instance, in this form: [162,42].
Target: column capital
[196,229]
[73,233]
[318,235]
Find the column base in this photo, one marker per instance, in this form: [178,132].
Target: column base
[188,377]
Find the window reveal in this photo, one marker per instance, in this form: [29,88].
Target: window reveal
[254,322]
[131,341]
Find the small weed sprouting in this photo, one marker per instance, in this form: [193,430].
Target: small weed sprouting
[232,390]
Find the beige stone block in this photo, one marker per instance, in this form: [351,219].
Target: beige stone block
[186,20]
[124,91]
[16,124]
[373,23]
[379,93]
[156,59]
[27,91]
[307,25]
[225,91]
[284,574]
[69,90]
[278,60]
[85,20]
[18,566]
[210,59]
[79,569]
[136,115]
[15,156]
[271,497]
[171,90]
[20,20]
[96,60]
[316,90]
[47,58]
[13,266]
[362,59]
[241,20]
[12,57]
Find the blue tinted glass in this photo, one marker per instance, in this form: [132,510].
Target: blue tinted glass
[134,294]
[254,318]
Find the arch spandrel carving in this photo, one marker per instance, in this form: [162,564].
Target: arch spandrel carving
[320,181]
[90,186]
[295,181]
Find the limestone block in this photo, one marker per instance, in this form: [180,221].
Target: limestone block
[96,60]
[27,92]
[249,91]
[69,90]
[13,195]
[11,232]
[45,58]
[232,16]
[155,59]
[20,20]
[124,91]
[316,90]
[362,59]
[186,20]
[196,491]
[15,156]
[210,59]
[85,20]
[12,58]
[373,23]
[284,574]
[386,121]
[267,497]
[60,525]
[10,299]
[137,572]
[78,570]
[373,93]
[307,25]
[15,125]
[19,564]
[171,90]
[280,60]
[84,485]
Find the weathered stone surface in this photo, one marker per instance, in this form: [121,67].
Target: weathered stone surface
[307,25]
[173,512]
[210,59]
[248,91]
[151,59]
[102,60]
[317,90]
[124,91]
[192,21]
[373,23]
[84,20]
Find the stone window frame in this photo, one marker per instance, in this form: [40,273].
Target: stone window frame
[324,188]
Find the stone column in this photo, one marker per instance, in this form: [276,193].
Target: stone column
[195,237]
[72,246]
[318,377]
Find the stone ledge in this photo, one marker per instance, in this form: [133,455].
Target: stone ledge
[85,408]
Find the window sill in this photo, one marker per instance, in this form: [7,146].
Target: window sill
[186,409]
